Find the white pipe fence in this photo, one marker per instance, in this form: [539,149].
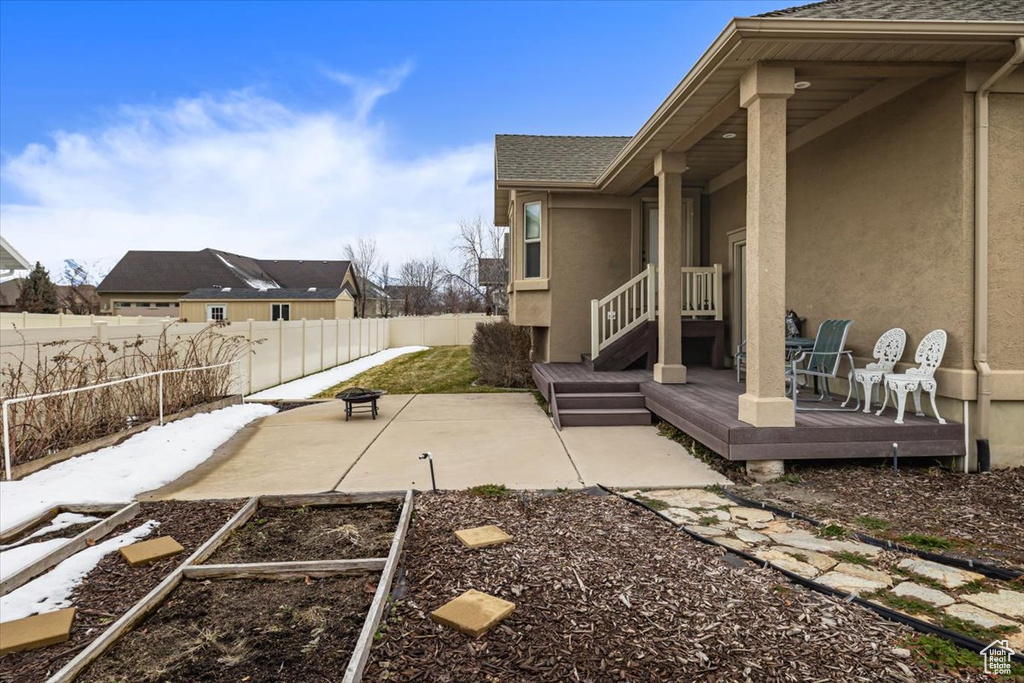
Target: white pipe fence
[7,403]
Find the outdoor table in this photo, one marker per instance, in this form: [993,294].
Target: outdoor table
[797,345]
[359,398]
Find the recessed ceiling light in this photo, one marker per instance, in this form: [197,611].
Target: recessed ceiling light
[800,85]
[728,136]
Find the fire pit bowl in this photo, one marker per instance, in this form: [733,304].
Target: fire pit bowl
[356,396]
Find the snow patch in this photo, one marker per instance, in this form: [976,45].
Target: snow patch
[254,282]
[15,559]
[117,474]
[314,384]
[61,521]
[51,591]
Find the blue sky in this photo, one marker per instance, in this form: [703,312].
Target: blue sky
[120,117]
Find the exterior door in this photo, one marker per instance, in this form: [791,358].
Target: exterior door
[649,236]
[738,286]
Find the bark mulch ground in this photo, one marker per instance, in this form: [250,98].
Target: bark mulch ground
[298,631]
[606,591]
[113,587]
[971,515]
[312,533]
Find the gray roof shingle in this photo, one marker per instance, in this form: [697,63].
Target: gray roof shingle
[907,10]
[559,158]
[210,293]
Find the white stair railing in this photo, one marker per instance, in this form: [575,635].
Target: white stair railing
[624,309]
[702,292]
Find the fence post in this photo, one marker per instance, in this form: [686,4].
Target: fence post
[322,344]
[24,320]
[423,330]
[101,332]
[303,347]
[160,385]
[251,354]
[7,442]
[280,350]
[337,341]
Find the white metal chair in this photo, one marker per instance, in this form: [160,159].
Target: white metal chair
[888,351]
[922,378]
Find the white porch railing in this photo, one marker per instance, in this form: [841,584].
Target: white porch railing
[702,292]
[627,307]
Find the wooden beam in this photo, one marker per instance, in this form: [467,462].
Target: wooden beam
[329,498]
[869,99]
[284,570]
[74,545]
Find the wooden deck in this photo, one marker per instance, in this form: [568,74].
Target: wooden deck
[705,408]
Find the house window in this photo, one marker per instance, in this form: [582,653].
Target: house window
[216,312]
[531,239]
[280,311]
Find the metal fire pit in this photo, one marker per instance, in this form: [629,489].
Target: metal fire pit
[357,396]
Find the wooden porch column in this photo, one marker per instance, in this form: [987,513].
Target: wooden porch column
[669,167]
[763,93]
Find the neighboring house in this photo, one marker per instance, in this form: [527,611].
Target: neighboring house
[382,302]
[492,276]
[237,304]
[10,260]
[79,300]
[824,158]
[152,282]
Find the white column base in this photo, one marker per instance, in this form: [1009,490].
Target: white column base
[767,412]
[763,471]
[669,374]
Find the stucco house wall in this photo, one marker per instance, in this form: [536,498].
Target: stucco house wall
[195,310]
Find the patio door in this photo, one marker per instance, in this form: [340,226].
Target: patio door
[649,235]
[737,287]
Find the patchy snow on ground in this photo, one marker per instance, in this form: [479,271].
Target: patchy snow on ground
[314,384]
[15,559]
[61,521]
[117,474]
[51,591]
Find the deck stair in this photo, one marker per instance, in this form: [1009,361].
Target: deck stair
[598,404]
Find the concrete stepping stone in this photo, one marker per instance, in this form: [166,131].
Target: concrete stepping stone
[746,515]
[866,573]
[681,515]
[950,577]
[707,531]
[850,583]
[40,630]
[150,551]
[808,541]
[482,536]
[819,561]
[978,616]
[473,613]
[688,498]
[750,536]
[1006,602]
[909,589]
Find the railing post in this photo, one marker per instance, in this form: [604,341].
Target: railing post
[160,385]
[595,329]
[719,298]
[652,296]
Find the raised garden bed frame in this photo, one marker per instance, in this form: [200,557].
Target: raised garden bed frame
[192,568]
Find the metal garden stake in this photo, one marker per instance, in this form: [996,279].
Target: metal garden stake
[430,458]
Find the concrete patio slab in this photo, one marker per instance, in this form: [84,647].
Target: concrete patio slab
[634,457]
[469,407]
[302,450]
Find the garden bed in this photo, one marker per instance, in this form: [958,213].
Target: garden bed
[322,532]
[113,587]
[238,630]
[962,515]
[606,591]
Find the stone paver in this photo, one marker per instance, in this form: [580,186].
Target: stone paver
[751,536]
[688,498]
[744,514]
[977,615]
[819,561]
[866,573]
[151,550]
[473,613]
[950,577]
[849,583]
[1006,602]
[36,631]
[808,541]
[482,536]
[788,563]
[708,531]
[909,589]
[681,515]
[732,543]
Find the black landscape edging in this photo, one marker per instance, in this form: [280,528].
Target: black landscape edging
[992,571]
[917,624]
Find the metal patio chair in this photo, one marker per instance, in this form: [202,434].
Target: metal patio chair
[823,362]
[888,351]
[915,380]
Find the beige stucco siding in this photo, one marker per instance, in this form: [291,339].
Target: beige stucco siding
[590,250]
[195,311]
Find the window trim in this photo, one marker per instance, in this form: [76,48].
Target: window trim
[209,312]
[282,315]
[538,240]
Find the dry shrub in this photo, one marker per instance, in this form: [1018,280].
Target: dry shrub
[44,426]
[501,354]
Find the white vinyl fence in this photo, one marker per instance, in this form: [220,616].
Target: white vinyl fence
[27,321]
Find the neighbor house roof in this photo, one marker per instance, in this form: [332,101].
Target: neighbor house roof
[557,158]
[10,259]
[184,271]
[907,10]
[246,293]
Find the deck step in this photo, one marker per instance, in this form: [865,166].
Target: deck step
[604,417]
[610,399]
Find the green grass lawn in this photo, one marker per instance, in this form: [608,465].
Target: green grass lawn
[439,370]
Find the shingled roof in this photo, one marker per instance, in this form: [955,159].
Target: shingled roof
[907,10]
[553,158]
[183,271]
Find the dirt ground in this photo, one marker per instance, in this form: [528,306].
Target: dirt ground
[311,533]
[244,630]
[113,587]
[606,591]
[976,515]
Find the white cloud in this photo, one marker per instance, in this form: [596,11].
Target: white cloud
[243,173]
[366,91]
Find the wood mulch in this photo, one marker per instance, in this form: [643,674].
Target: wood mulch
[978,514]
[244,630]
[606,591]
[327,532]
[113,587]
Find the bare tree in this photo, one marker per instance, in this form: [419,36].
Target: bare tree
[477,240]
[77,292]
[420,281]
[365,257]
